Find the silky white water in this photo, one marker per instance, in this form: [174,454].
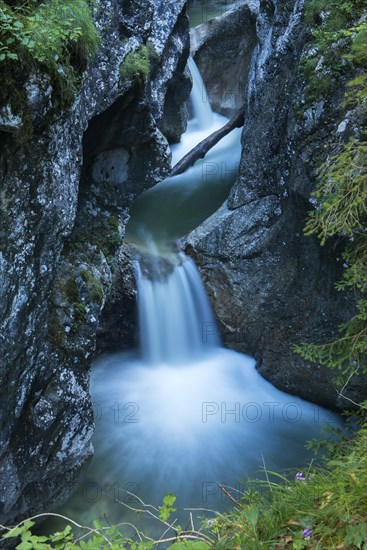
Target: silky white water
[185,428]
[176,321]
[203,114]
[183,414]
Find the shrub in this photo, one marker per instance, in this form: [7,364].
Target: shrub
[341,194]
[336,45]
[57,36]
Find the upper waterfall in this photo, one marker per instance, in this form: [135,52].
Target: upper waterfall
[178,204]
[202,111]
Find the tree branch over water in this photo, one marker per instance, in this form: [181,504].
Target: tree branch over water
[201,149]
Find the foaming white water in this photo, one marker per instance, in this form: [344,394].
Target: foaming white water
[176,322]
[188,427]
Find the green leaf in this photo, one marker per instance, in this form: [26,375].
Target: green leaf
[25,546]
[19,531]
[169,499]
[97,524]
[252,515]
[166,510]
[356,535]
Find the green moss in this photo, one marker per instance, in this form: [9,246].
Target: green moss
[94,285]
[136,65]
[55,333]
[105,236]
[80,311]
[319,83]
[114,223]
[70,291]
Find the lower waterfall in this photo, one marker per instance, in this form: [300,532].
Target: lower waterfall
[176,321]
[186,415]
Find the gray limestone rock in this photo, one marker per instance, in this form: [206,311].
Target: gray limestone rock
[62,219]
[271,286]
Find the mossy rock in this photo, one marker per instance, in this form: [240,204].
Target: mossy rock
[137,65]
[56,38]
[94,285]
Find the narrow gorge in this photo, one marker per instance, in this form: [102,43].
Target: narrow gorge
[99,247]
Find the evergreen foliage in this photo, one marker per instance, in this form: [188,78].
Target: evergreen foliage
[341,193]
[357,94]
[332,36]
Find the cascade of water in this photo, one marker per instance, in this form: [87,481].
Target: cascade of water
[175,319]
[202,110]
[177,205]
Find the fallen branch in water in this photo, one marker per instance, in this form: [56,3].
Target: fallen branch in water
[201,149]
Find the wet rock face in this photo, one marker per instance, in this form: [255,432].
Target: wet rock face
[62,219]
[118,327]
[222,49]
[271,286]
[175,117]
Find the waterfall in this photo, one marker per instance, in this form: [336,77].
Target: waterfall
[202,111]
[175,319]
[184,414]
[177,205]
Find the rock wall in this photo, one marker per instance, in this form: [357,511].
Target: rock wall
[64,206]
[270,285]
